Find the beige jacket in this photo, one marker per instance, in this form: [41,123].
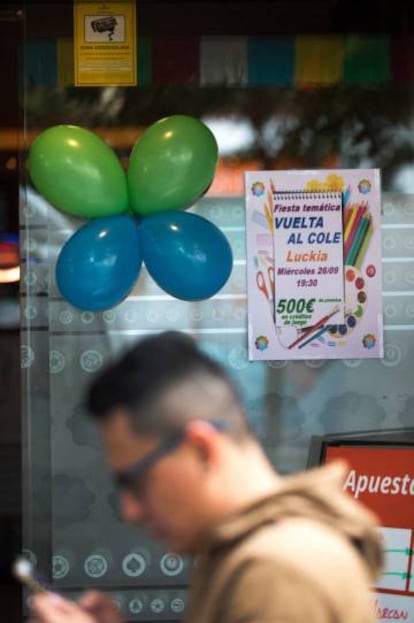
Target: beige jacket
[307,554]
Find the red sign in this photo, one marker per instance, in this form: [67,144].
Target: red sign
[382,478]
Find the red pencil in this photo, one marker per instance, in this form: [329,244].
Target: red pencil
[314,327]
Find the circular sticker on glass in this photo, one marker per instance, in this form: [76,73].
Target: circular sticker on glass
[134,565]
[30,279]
[95,566]
[56,362]
[109,315]
[392,355]
[30,312]
[177,605]
[135,606]
[91,360]
[28,211]
[195,314]
[314,363]
[65,316]
[87,317]
[277,364]
[29,245]
[60,566]
[157,605]
[352,363]
[171,564]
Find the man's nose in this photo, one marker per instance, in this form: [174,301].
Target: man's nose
[132,509]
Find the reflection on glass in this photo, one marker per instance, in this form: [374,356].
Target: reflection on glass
[70,502]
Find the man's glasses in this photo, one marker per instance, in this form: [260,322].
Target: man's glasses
[131,479]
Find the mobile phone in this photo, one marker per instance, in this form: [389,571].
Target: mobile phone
[24,572]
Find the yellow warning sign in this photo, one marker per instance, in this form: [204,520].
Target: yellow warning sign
[105,43]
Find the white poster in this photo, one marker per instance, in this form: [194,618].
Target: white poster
[314,264]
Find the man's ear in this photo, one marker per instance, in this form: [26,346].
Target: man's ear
[203,438]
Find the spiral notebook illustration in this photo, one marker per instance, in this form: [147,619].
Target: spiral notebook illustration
[313,264]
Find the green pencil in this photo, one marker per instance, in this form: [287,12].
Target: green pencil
[361,253]
[358,241]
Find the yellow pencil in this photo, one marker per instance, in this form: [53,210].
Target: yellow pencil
[270,197]
[268,216]
[348,228]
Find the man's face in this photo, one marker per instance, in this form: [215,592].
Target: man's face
[168,497]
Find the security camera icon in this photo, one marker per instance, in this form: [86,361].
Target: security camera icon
[105,24]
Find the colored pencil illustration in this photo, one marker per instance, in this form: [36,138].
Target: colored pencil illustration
[350,221]
[267,207]
[346,196]
[347,216]
[365,244]
[358,241]
[349,239]
[314,327]
[315,335]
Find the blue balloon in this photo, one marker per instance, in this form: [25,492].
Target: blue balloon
[100,263]
[187,255]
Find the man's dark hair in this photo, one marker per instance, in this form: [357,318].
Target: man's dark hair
[139,380]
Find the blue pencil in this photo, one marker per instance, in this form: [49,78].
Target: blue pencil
[325,328]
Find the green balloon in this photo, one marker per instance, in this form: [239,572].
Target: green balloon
[171,165]
[77,172]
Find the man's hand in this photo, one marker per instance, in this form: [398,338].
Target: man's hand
[93,607]
[100,607]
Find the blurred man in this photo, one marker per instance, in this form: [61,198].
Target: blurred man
[267,548]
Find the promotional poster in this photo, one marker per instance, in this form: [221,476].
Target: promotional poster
[314,264]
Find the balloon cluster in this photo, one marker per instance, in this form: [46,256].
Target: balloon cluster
[135,217]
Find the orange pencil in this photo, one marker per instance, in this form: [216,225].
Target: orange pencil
[347,216]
